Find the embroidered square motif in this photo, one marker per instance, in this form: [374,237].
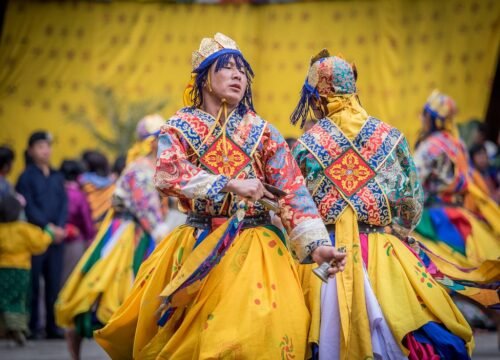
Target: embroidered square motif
[349,172]
[230,164]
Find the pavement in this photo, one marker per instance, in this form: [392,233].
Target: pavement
[486,349]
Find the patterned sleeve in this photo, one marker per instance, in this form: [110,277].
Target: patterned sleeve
[177,176]
[403,190]
[135,191]
[299,214]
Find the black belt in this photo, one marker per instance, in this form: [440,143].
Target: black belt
[363,228]
[203,221]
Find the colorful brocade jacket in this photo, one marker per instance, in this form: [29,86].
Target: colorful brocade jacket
[136,194]
[196,161]
[443,167]
[374,174]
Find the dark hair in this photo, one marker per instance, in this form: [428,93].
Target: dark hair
[119,164]
[71,169]
[483,129]
[475,149]
[10,208]
[220,62]
[96,162]
[40,135]
[6,157]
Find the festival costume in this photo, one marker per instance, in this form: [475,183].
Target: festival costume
[104,275]
[459,229]
[224,285]
[359,170]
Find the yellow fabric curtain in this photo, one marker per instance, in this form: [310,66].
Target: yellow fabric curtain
[52,54]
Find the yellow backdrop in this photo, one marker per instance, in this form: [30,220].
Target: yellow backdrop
[53,54]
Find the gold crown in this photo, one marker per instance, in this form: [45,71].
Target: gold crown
[210,46]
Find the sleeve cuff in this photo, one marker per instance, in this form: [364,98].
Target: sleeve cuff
[311,247]
[306,237]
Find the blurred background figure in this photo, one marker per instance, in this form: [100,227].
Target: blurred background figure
[128,234]
[46,206]
[459,227]
[481,137]
[481,162]
[18,242]
[119,165]
[6,160]
[79,227]
[98,184]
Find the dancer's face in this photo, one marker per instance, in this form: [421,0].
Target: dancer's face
[229,83]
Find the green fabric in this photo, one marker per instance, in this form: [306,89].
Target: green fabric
[96,254]
[425,227]
[14,288]
[140,251]
[86,324]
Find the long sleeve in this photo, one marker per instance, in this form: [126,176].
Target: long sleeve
[136,192]
[299,214]
[403,190]
[36,239]
[34,214]
[88,229]
[177,176]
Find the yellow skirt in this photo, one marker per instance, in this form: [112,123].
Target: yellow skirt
[407,294]
[250,306]
[481,262]
[104,286]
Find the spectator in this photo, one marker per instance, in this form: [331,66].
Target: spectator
[481,138]
[6,160]
[97,184]
[18,242]
[46,205]
[480,161]
[79,228]
[119,165]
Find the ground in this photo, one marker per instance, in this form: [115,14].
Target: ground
[486,349]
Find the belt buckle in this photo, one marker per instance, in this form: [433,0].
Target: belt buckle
[216,222]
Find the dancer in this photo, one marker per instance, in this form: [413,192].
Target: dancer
[104,276]
[459,227]
[362,178]
[224,284]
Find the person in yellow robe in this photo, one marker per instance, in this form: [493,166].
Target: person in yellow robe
[360,173]
[223,285]
[104,276]
[459,230]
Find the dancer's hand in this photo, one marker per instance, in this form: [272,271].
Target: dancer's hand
[330,255]
[251,189]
